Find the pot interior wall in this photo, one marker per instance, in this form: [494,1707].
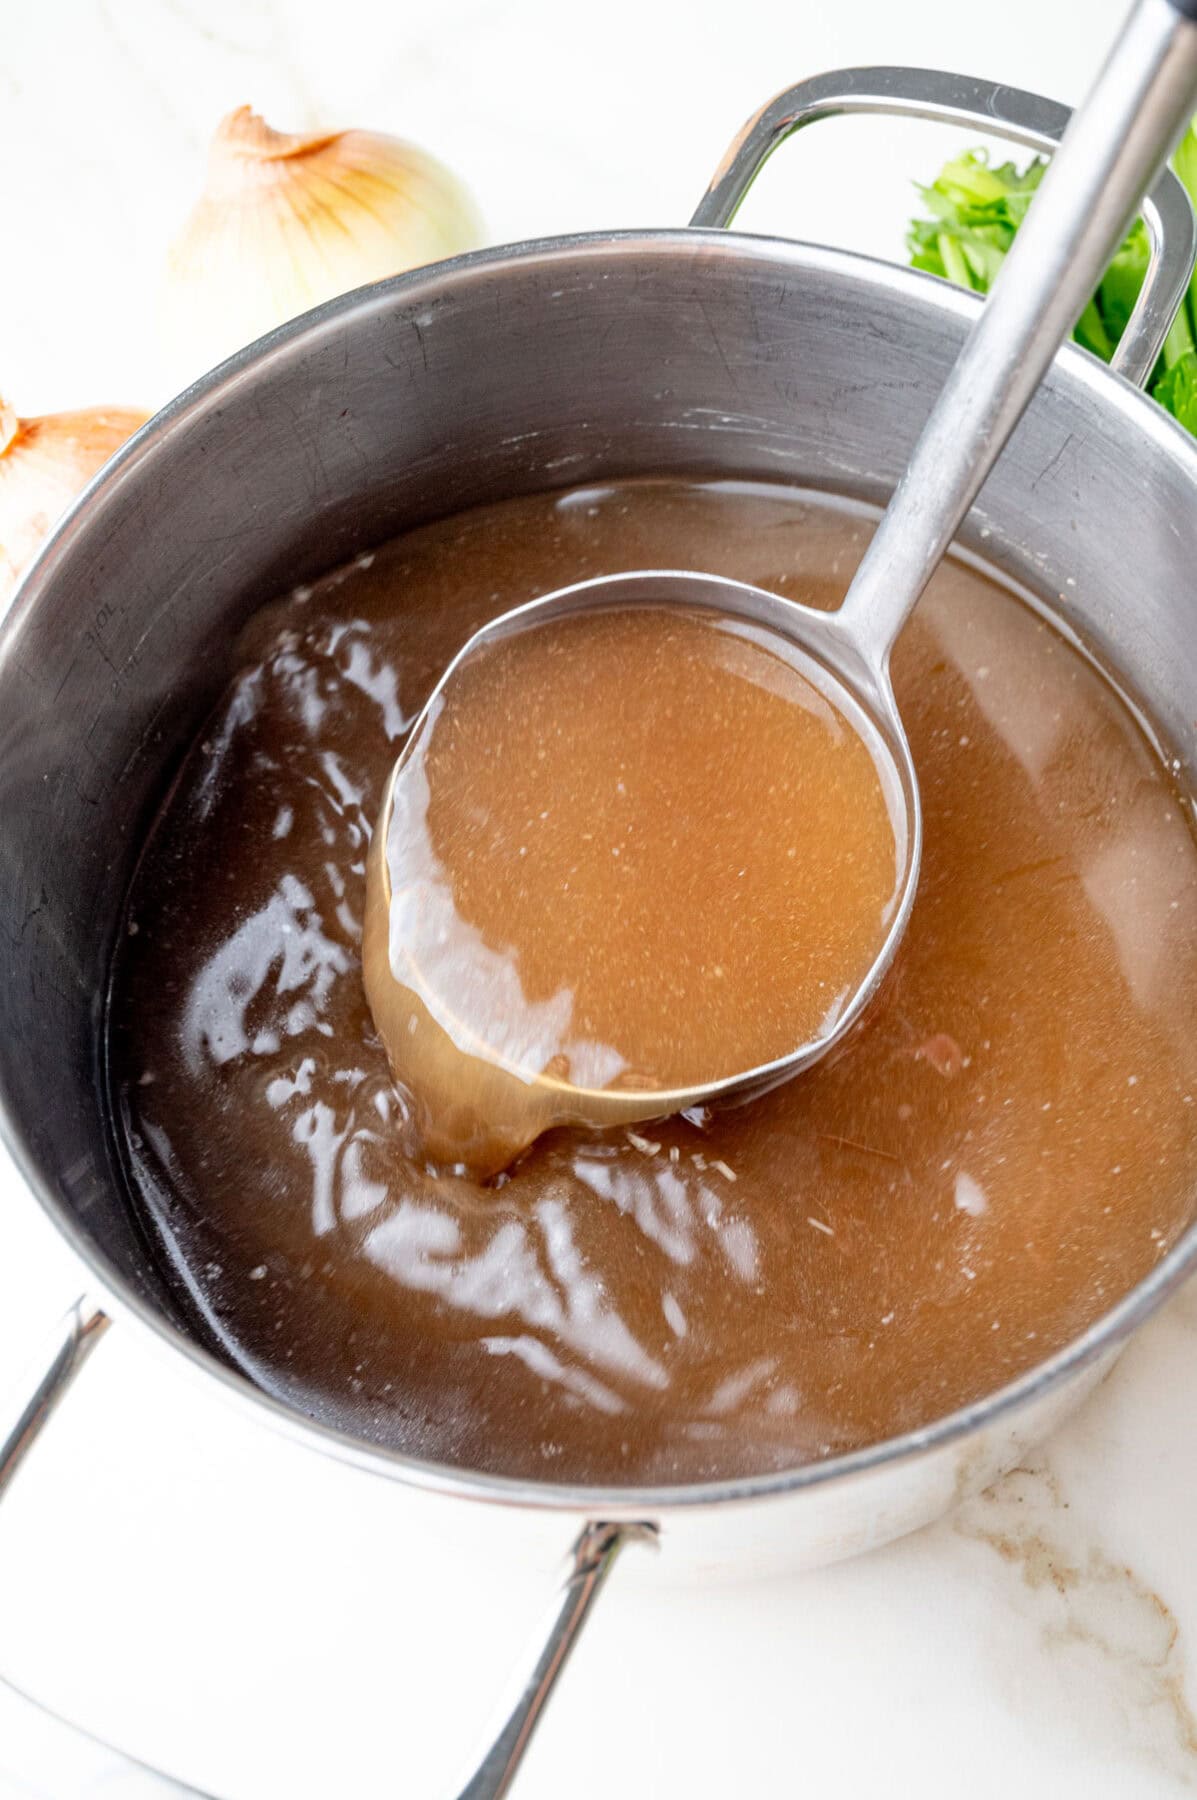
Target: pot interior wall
[505,374]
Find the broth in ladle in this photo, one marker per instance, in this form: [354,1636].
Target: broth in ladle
[628,851]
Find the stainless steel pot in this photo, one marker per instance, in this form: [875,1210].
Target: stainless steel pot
[565,361]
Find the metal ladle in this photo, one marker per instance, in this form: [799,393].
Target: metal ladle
[1114,147]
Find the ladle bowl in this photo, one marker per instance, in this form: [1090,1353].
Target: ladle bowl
[513,1105]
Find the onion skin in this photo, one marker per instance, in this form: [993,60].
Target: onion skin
[44,463]
[288,221]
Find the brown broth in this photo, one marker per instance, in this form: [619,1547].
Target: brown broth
[1002,1147]
[628,850]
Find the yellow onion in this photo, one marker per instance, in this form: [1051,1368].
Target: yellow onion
[288,221]
[44,463]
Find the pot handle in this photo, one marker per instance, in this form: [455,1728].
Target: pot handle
[986,106]
[591,1561]
[75,1338]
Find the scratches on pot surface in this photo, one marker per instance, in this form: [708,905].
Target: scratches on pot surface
[1053,462]
[1112,1647]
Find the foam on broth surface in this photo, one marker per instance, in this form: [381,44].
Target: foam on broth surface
[630,849]
[1000,1149]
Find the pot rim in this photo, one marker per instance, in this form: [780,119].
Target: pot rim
[1073,366]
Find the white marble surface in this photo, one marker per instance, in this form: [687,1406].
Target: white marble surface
[1040,1640]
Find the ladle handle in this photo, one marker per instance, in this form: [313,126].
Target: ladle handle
[989,107]
[1114,147]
